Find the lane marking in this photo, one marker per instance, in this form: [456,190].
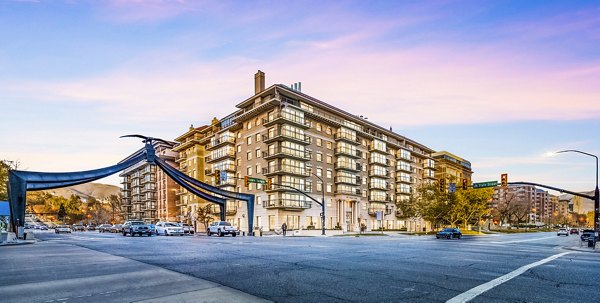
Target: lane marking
[519,241]
[478,290]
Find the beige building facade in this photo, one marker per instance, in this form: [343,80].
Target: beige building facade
[295,140]
[451,168]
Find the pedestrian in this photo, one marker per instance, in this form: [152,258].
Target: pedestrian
[283,228]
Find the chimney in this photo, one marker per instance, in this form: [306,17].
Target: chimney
[259,82]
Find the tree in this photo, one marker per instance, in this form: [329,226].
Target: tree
[205,214]
[432,204]
[472,204]
[5,166]
[62,213]
[114,203]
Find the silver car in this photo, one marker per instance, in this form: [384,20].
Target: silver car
[168,229]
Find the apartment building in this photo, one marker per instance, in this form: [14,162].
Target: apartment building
[295,140]
[148,194]
[540,206]
[451,168]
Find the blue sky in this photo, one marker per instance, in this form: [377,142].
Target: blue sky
[499,83]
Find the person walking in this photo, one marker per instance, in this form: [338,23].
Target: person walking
[283,228]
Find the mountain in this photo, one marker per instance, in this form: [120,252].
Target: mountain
[86,190]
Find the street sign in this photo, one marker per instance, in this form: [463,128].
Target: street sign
[485,184]
[257,180]
[223,176]
[452,187]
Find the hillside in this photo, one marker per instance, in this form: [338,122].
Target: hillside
[96,190]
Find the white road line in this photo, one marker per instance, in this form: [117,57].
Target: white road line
[519,241]
[476,291]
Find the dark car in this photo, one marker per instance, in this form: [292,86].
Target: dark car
[449,233]
[574,231]
[91,227]
[136,228]
[78,227]
[104,228]
[588,234]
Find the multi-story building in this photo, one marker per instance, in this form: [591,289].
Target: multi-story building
[539,206]
[451,168]
[148,194]
[295,140]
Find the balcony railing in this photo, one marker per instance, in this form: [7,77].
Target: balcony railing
[287,204]
[285,169]
[347,166]
[343,191]
[229,209]
[214,143]
[387,198]
[387,162]
[226,167]
[381,174]
[213,158]
[348,152]
[281,134]
[347,137]
[405,179]
[373,210]
[282,151]
[380,186]
[348,180]
[283,117]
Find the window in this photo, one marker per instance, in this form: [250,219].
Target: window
[239,148]
[328,188]
[249,171]
[329,145]
[319,127]
[249,125]
[249,140]
[319,186]
[328,131]
[319,157]
[329,173]
[258,153]
[319,142]
[319,172]
[329,159]
[257,139]
[249,156]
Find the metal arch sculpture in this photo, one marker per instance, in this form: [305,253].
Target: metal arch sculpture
[22,181]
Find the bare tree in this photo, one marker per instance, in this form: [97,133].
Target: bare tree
[205,215]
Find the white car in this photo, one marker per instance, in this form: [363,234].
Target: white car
[562,232]
[62,229]
[222,228]
[168,229]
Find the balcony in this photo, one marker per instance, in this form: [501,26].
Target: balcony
[380,186]
[285,170]
[298,186]
[230,210]
[373,210]
[217,142]
[283,117]
[285,152]
[400,156]
[385,199]
[353,153]
[287,204]
[214,158]
[387,162]
[346,137]
[347,166]
[372,148]
[282,134]
[148,180]
[354,192]
[148,189]
[375,173]
[405,168]
[179,159]
[226,167]
[348,180]
[405,179]
[228,182]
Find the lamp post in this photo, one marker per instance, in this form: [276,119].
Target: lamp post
[322,203]
[596,192]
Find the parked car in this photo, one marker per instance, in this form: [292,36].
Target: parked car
[91,227]
[78,227]
[152,228]
[222,228]
[168,229]
[117,228]
[449,233]
[574,231]
[562,232]
[136,228]
[187,229]
[588,234]
[62,229]
[43,227]
[104,228]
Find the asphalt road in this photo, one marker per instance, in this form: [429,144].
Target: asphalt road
[393,268]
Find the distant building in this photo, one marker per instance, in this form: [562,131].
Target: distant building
[146,192]
[540,206]
[451,168]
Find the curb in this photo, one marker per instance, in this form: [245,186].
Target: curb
[18,243]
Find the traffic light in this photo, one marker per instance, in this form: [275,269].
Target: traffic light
[442,185]
[217,177]
[246,181]
[269,184]
[465,184]
[504,179]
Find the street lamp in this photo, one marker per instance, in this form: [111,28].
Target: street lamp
[322,203]
[596,192]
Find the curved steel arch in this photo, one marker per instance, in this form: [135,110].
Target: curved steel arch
[22,181]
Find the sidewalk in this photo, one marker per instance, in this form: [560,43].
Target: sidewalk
[56,272]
